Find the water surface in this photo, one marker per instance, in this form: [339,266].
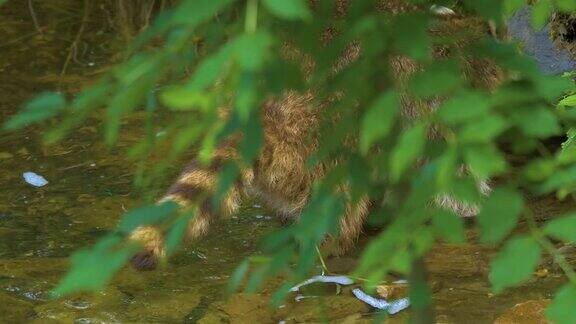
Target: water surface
[90,185]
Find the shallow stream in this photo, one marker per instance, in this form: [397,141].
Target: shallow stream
[90,185]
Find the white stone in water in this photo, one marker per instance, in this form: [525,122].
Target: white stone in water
[34,179]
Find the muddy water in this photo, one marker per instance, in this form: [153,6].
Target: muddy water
[90,185]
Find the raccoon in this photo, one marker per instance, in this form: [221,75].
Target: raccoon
[280,176]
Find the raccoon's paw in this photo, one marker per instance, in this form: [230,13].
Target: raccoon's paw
[153,242]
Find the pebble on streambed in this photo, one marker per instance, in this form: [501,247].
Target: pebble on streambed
[34,179]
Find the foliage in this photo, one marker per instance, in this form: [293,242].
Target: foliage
[218,53]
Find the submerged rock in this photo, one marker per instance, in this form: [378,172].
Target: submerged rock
[528,312]
[102,307]
[15,310]
[169,307]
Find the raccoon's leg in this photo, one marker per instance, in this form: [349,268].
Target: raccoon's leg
[193,187]
[351,225]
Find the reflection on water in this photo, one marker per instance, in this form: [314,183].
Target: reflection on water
[90,185]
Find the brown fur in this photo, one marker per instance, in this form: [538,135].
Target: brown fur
[280,176]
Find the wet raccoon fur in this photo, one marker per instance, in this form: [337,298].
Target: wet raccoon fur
[280,176]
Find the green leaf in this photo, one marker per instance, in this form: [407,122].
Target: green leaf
[89,99]
[42,107]
[252,139]
[565,5]
[569,101]
[515,263]
[499,214]
[447,164]
[567,154]
[409,147]
[246,97]
[539,169]
[288,9]
[181,98]
[418,44]
[561,310]
[437,79]
[560,178]
[485,161]
[238,275]
[210,68]
[510,6]
[537,122]
[228,176]
[252,50]
[177,231]
[448,226]
[401,261]
[541,11]
[490,9]
[378,120]
[92,269]
[138,79]
[483,129]
[463,107]
[146,215]
[563,228]
[466,189]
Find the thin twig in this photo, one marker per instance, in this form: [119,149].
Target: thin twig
[33,14]
[559,259]
[73,47]
[324,267]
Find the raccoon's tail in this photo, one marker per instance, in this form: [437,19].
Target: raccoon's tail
[193,189]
